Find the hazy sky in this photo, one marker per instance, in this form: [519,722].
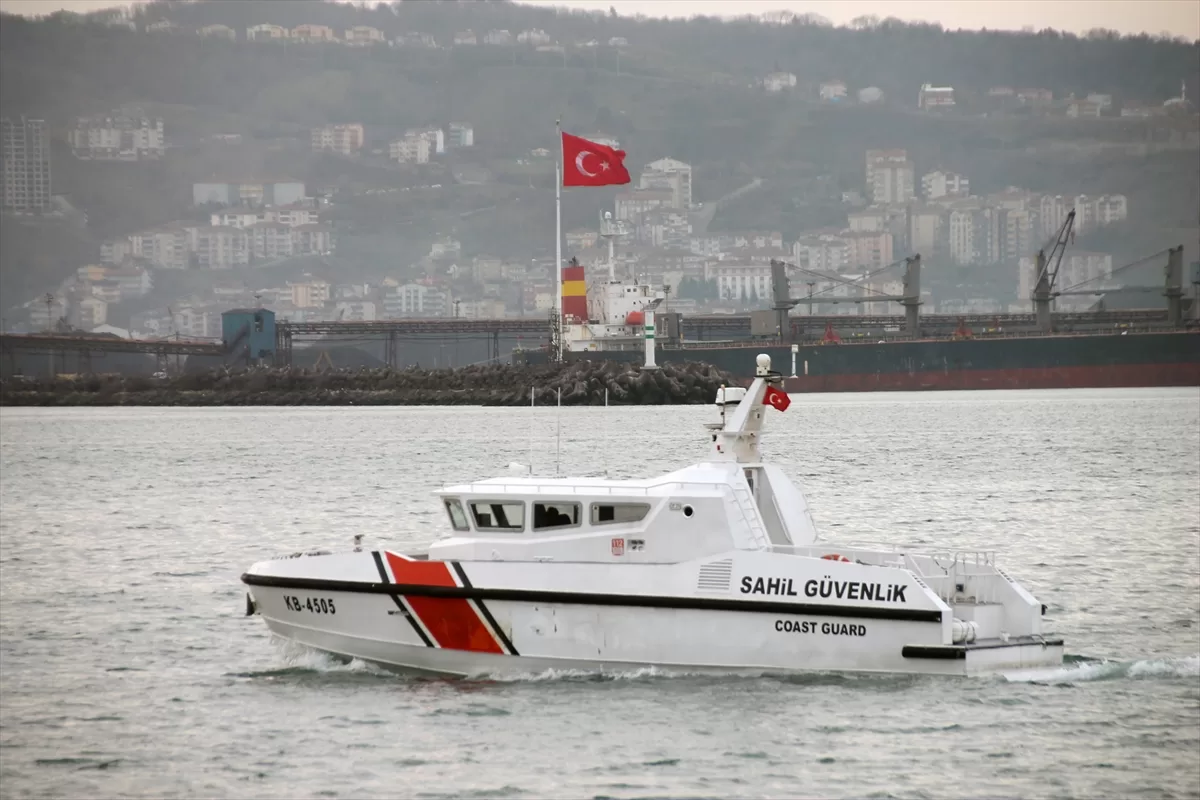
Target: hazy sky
[1177,17]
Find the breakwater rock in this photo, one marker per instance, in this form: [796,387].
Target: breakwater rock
[581,383]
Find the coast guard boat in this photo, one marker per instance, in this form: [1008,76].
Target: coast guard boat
[714,567]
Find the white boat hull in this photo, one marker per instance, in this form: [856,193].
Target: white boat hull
[429,617]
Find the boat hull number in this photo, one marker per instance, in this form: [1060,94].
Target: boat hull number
[314,605]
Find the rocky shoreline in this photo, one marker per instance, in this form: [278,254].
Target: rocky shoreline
[582,383]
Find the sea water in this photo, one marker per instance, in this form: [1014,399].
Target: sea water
[128,668]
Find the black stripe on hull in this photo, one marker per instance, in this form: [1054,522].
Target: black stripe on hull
[958,652]
[487,615]
[587,599]
[404,609]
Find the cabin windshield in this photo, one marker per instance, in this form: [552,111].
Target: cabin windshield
[493,515]
[458,517]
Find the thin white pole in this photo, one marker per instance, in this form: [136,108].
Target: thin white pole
[558,262]
[531,415]
[558,435]
[604,427]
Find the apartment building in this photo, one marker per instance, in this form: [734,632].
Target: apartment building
[410,149]
[668,174]
[25,149]
[460,135]
[344,139]
[118,137]
[944,184]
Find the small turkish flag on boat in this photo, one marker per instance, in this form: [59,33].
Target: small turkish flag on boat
[588,163]
[776,399]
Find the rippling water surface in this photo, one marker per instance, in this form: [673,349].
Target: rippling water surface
[128,669]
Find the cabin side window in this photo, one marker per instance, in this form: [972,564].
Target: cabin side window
[615,513]
[458,517]
[493,515]
[547,516]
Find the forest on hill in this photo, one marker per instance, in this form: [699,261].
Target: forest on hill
[680,88]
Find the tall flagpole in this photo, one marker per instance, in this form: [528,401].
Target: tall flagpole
[558,265]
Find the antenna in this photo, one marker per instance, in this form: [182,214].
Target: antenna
[558,434]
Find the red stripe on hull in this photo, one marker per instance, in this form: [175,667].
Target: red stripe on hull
[422,573]
[1031,378]
[453,622]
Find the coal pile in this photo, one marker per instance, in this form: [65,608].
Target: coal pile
[582,383]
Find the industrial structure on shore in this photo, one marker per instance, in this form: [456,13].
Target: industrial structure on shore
[1042,349]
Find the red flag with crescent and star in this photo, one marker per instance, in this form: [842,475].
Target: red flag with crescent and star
[588,163]
[776,399]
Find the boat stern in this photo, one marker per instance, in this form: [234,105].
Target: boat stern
[986,655]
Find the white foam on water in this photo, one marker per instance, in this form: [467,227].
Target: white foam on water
[1085,671]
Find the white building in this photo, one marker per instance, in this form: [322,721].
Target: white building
[118,138]
[355,311]
[412,149]
[534,36]
[892,182]
[498,37]
[465,38]
[310,294]
[217,32]
[265,33]
[944,184]
[344,139]
[667,174]
[833,91]
[313,34]
[364,36]
[779,81]
[825,252]
[460,135]
[414,300]
[933,97]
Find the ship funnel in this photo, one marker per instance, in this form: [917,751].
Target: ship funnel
[574,293]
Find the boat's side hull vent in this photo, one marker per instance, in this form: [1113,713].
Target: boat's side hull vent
[715,576]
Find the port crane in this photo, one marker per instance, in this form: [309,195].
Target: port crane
[1047,266]
[783,302]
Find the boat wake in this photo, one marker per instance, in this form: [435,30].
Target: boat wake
[1081,669]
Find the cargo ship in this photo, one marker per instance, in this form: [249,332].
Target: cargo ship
[615,320]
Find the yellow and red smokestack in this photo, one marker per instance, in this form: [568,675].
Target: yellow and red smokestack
[574,293]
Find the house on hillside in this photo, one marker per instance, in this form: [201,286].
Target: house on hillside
[262,33]
[779,81]
[935,97]
[313,33]
[364,36]
[217,32]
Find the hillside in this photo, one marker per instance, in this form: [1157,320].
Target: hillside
[680,88]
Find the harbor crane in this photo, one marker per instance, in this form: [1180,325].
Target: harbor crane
[783,302]
[1047,267]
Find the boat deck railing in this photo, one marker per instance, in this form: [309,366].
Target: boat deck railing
[575,489]
[942,571]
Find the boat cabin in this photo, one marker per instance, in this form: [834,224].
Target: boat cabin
[705,509]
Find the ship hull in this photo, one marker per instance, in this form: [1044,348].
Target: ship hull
[1035,362]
